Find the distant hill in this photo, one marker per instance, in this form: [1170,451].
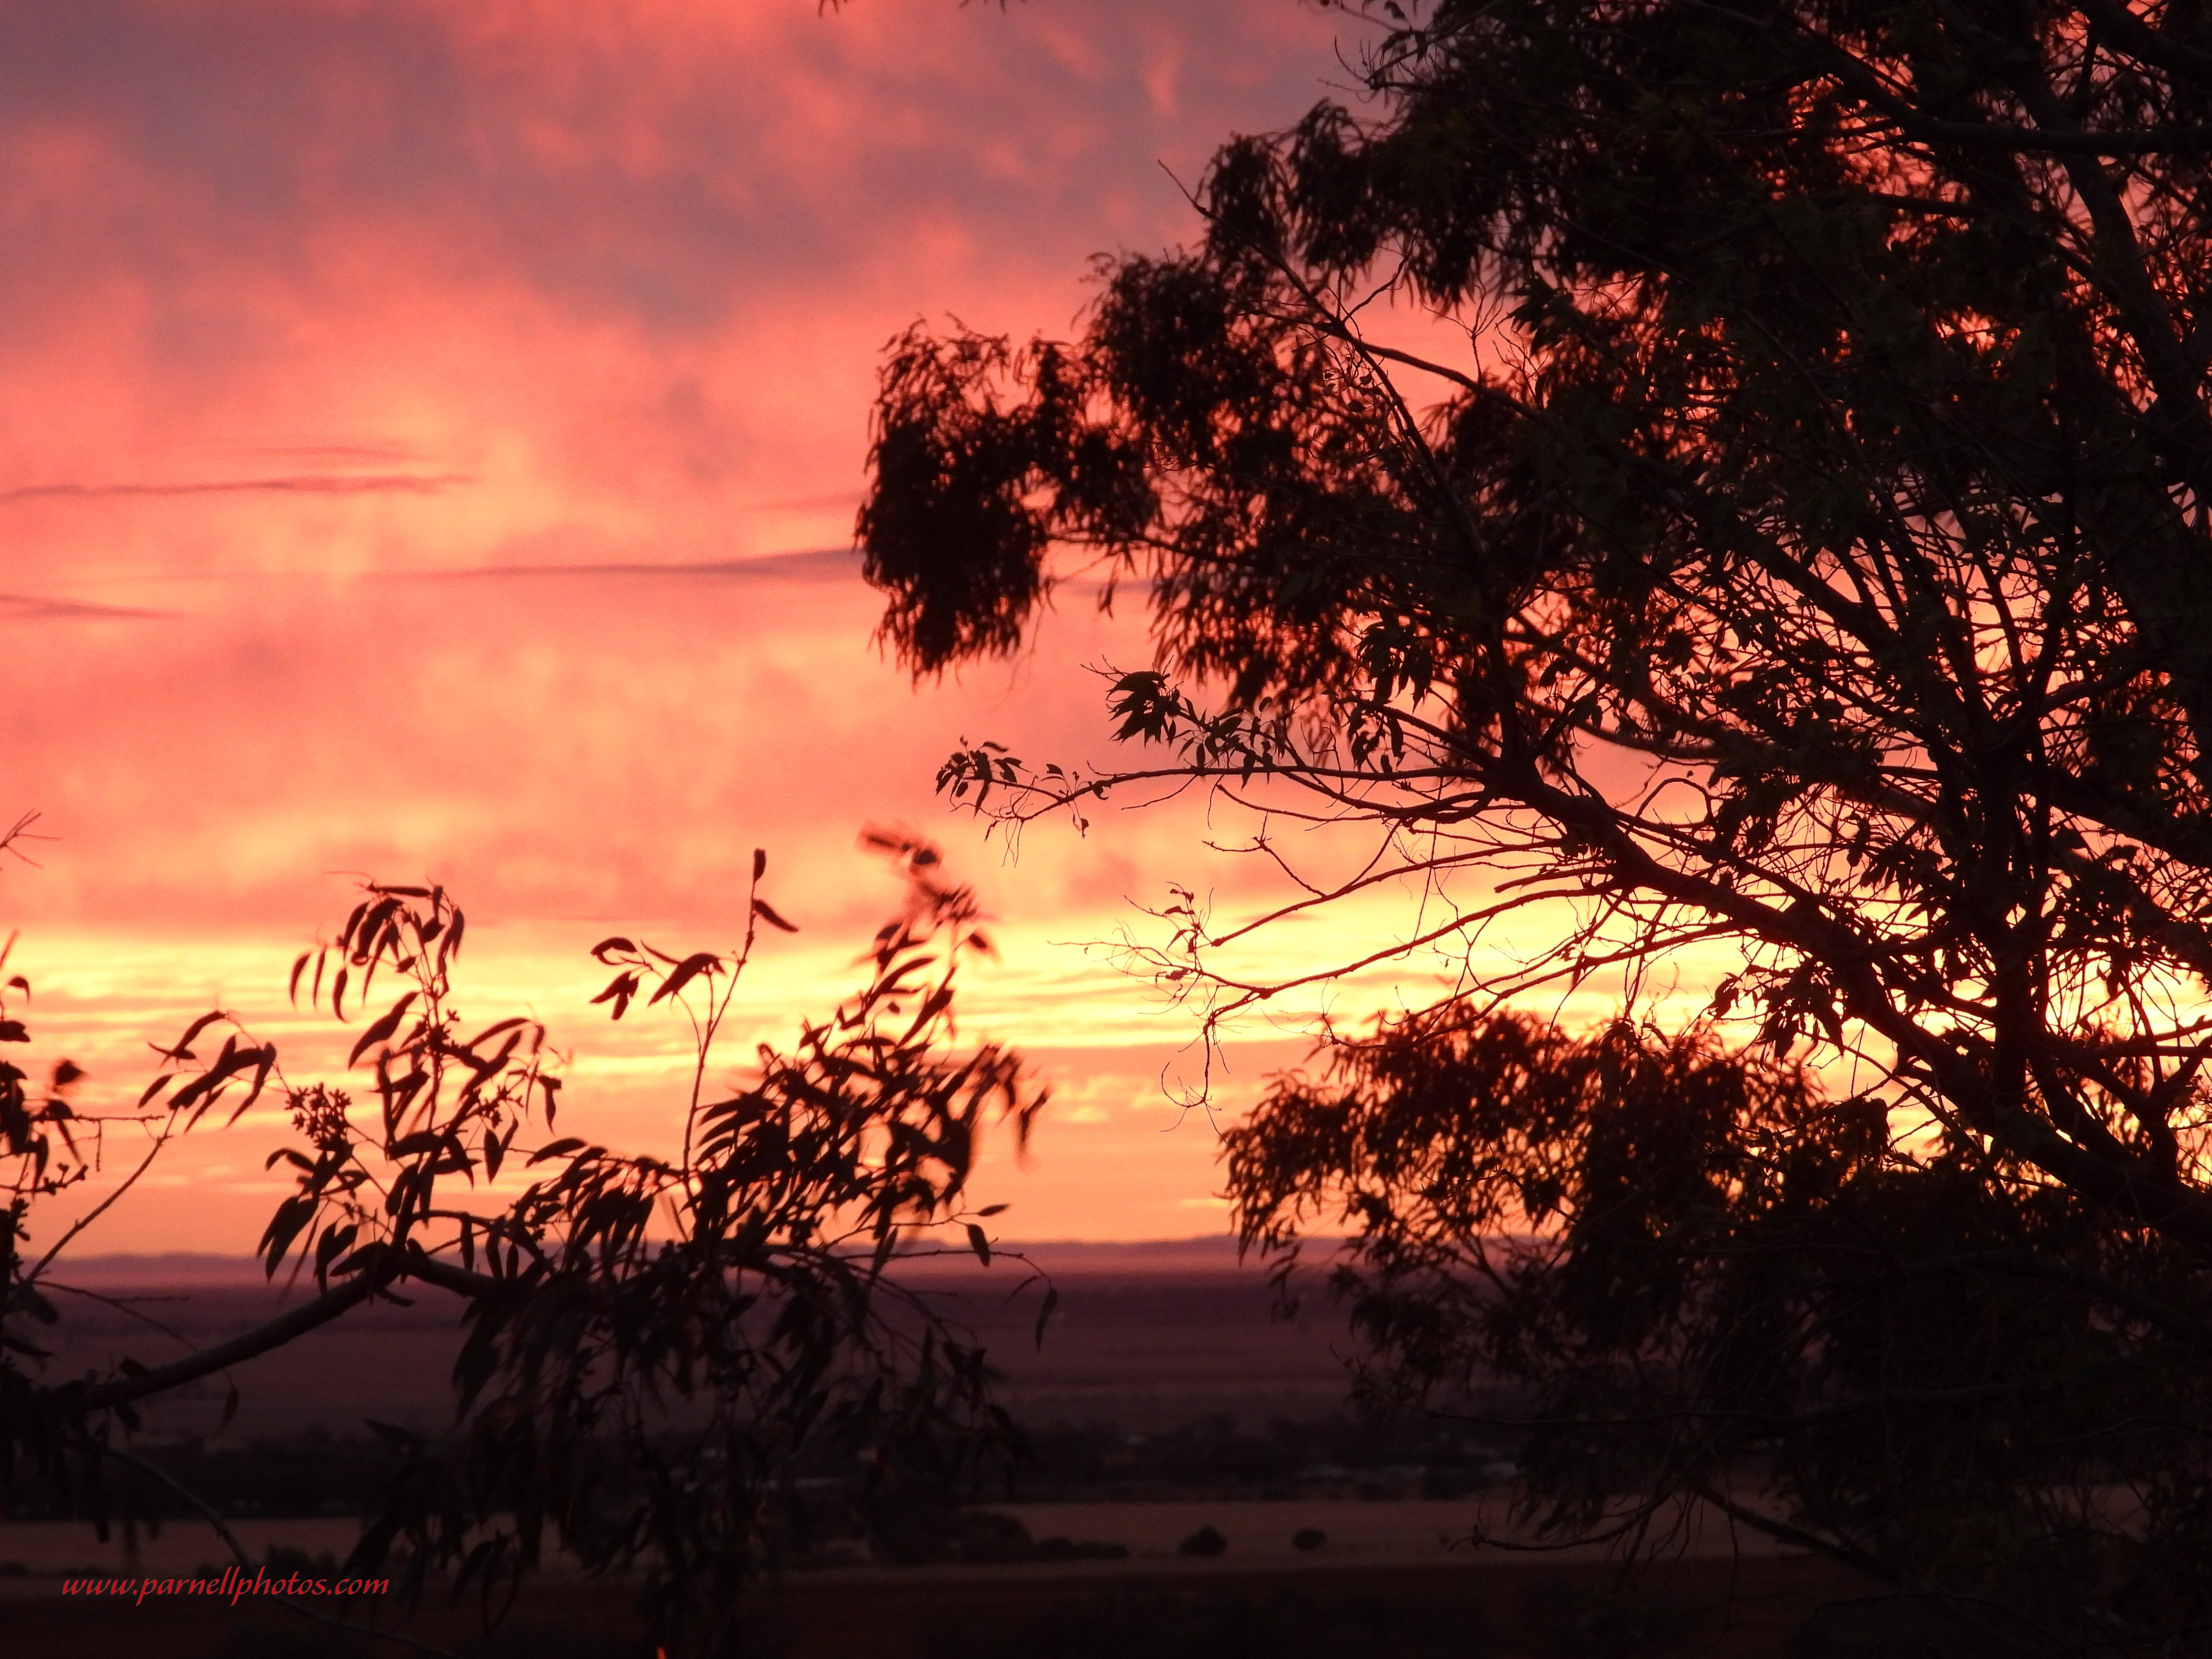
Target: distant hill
[177,1268]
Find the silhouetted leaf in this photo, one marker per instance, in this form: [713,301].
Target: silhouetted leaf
[292,1215]
[495,1028]
[383,1028]
[623,987]
[183,1049]
[1045,1313]
[684,972]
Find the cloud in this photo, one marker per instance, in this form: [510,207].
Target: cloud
[34,607]
[599,254]
[456,379]
[837,564]
[299,484]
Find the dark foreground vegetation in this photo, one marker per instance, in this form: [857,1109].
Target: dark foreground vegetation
[1722,493]
[634,1396]
[1456,1614]
[1339,1458]
[1720,496]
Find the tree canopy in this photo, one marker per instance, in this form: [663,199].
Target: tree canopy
[1740,474]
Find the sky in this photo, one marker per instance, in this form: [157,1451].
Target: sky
[429,437]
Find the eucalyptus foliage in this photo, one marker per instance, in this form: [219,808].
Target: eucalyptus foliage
[1738,477]
[656,1345]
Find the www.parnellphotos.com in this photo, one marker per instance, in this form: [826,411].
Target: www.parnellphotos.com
[234,1586]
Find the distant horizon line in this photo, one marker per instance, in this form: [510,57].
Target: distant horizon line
[1205,1249]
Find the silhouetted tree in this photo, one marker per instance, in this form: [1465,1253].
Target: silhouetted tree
[654,1344]
[1681,1278]
[1737,477]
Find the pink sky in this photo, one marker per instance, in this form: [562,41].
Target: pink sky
[429,440]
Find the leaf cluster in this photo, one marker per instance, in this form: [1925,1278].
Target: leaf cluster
[1699,1281]
[655,1346]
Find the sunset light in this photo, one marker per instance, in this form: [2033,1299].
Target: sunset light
[432,435]
[1106,829]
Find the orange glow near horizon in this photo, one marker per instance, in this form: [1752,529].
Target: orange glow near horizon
[429,435]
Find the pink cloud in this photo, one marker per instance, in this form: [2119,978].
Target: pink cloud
[429,439]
